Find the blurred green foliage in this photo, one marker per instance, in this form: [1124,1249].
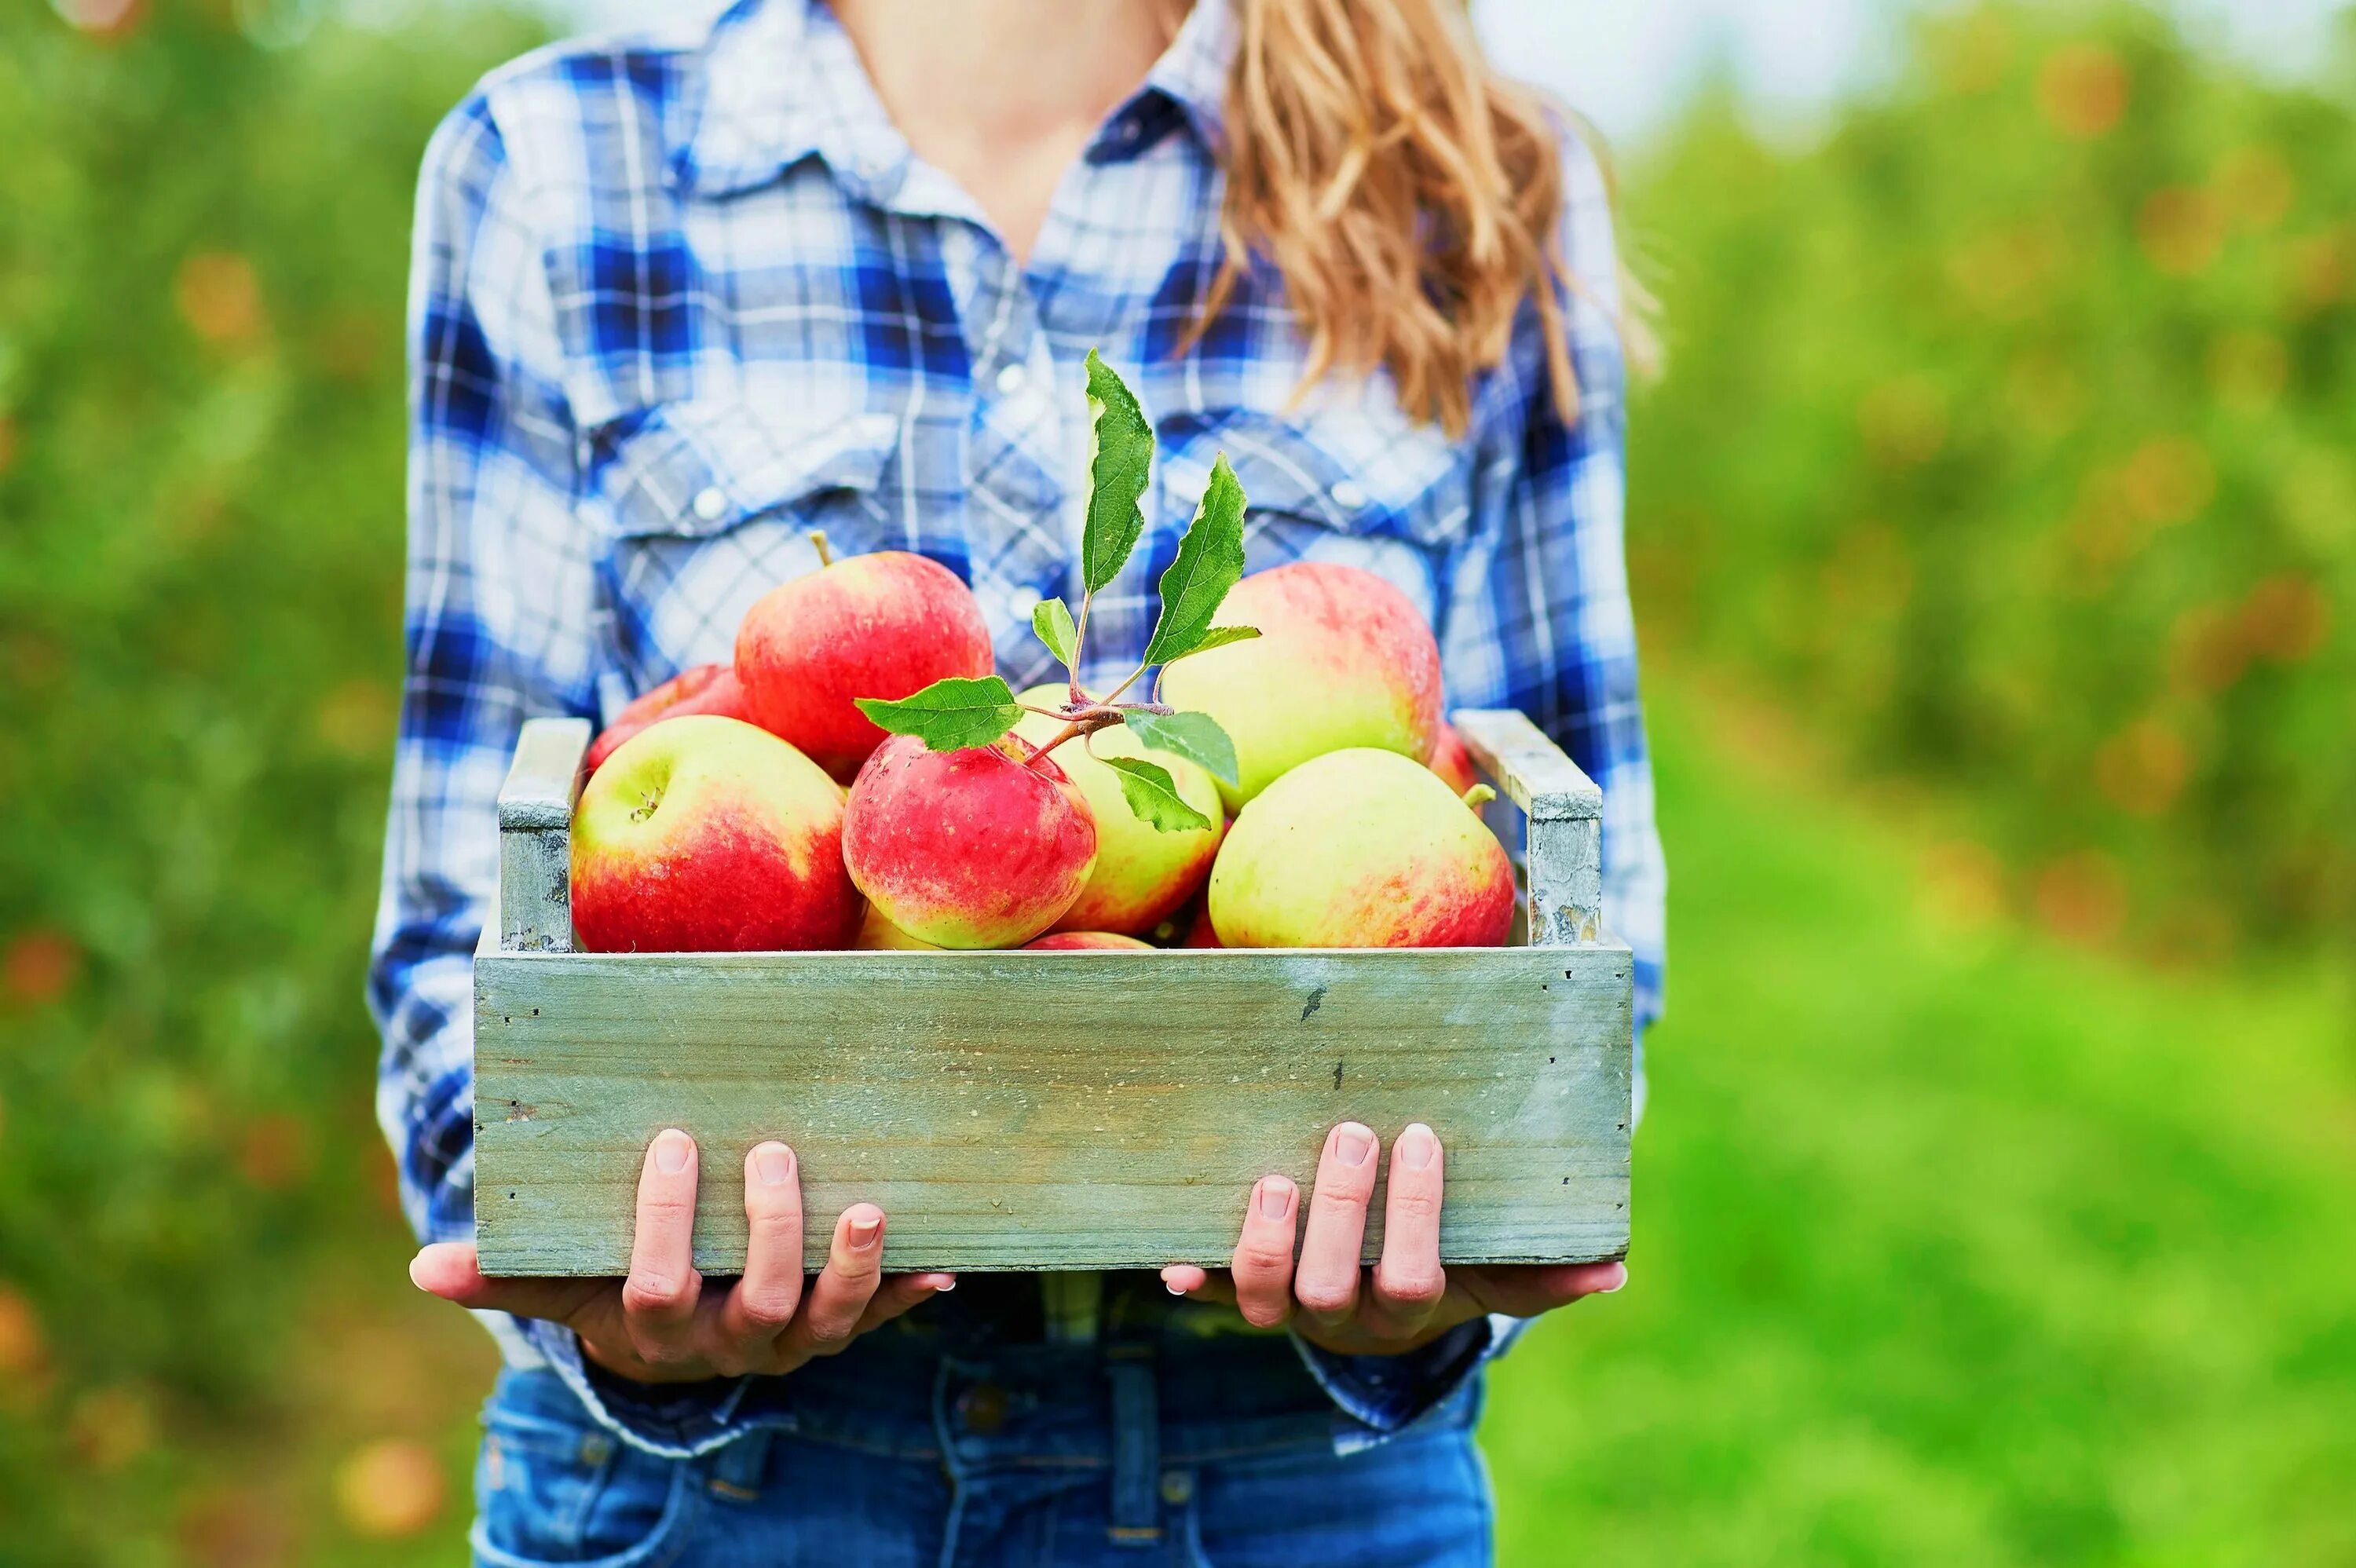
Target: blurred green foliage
[2007,440]
[2007,431]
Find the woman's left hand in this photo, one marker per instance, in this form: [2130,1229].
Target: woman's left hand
[1405,1301]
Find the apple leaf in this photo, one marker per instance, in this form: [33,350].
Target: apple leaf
[1210,562]
[1120,452]
[1152,794]
[1052,621]
[950,715]
[1193,736]
[1216,637]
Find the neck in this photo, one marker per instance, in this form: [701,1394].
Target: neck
[1002,94]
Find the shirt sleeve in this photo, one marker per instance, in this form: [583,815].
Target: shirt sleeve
[1538,618]
[501,626]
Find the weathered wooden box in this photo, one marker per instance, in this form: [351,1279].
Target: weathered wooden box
[1049,1110]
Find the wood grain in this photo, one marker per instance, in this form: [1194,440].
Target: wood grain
[1564,813]
[535,835]
[1047,1109]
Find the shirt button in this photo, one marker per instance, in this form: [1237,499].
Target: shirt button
[1010,380]
[1349,495]
[710,504]
[1177,1486]
[1022,600]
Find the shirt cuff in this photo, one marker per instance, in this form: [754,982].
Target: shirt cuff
[1380,1396]
[670,1421]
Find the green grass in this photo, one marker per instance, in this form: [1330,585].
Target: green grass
[1951,1245]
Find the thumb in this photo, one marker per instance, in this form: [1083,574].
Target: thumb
[452,1271]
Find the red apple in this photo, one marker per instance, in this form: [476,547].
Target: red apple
[705,835]
[1453,763]
[881,626]
[700,688]
[1085,941]
[971,849]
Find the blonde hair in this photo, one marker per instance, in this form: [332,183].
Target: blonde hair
[1410,196]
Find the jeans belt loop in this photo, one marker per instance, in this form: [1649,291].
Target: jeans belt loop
[1136,1445]
[738,1467]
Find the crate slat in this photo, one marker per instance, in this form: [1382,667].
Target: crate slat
[1046,1110]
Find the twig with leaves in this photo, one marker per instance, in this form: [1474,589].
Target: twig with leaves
[950,715]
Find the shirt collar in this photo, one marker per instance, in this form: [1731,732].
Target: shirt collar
[781,83]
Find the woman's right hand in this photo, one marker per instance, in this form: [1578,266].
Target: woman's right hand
[659,1325]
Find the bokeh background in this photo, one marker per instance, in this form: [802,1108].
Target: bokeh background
[1994,546]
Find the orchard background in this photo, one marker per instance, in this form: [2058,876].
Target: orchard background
[1995,546]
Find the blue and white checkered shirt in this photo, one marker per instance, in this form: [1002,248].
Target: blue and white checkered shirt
[676,303]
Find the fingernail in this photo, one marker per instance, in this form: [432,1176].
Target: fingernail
[1353,1143]
[1616,1283]
[865,1232]
[1417,1146]
[947,1283]
[1171,1288]
[672,1149]
[776,1164]
[1275,1198]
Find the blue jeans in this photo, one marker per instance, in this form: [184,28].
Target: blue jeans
[899,1453]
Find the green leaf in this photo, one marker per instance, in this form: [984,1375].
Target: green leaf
[1052,619]
[1210,562]
[950,715]
[1153,796]
[1193,736]
[1120,452]
[1216,637]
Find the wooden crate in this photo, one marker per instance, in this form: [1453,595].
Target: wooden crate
[1049,1110]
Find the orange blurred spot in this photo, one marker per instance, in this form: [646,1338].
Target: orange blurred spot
[2044,393]
[108,17]
[2083,90]
[112,1426]
[219,297]
[2082,897]
[23,1347]
[358,719]
[2256,186]
[2317,270]
[1904,420]
[2142,768]
[2181,229]
[2169,480]
[2249,369]
[392,1487]
[40,966]
[235,1528]
[275,1153]
[2206,652]
[2003,275]
[1870,573]
[2285,619]
[1961,884]
[350,346]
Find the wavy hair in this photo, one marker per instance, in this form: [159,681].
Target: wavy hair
[1410,196]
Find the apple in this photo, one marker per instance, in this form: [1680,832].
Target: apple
[700,688]
[1085,941]
[979,848]
[1453,762]
[705,835]
[1360,848]
[1142,874]
[877,934]
[1344,659]
[880,626]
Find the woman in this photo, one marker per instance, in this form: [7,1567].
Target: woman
[836,266]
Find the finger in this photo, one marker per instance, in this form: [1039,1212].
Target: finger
[900,1292]
[452,1271]
[1527,1290]
[1198,1283]
[838,1299]
[1408,1281]
[1263,1261]
[1326,1285]
[659,1298]
[763,1300]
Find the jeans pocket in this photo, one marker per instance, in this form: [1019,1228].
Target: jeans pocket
[551,1490]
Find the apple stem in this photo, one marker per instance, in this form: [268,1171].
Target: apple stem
[818,543]
[1039,754]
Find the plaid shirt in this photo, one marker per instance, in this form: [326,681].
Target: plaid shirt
[677,303]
